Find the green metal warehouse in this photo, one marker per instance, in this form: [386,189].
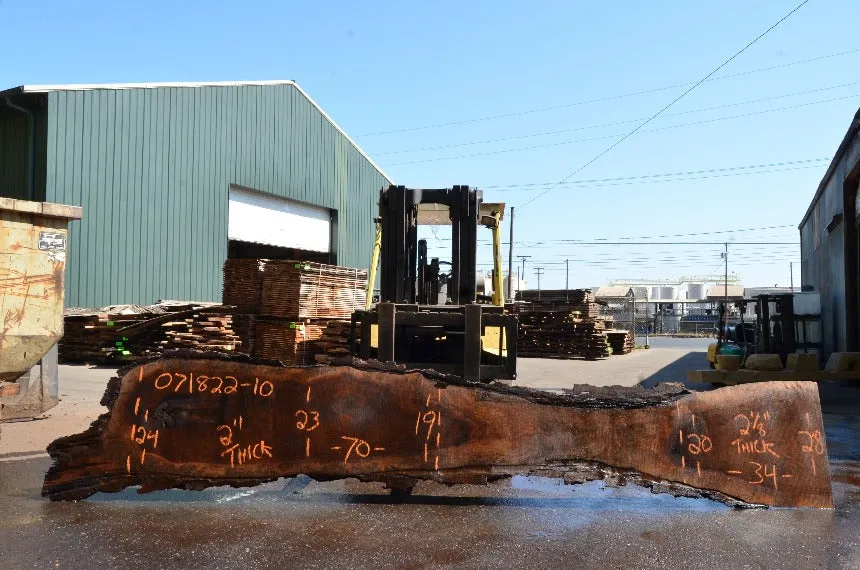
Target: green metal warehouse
[175,177]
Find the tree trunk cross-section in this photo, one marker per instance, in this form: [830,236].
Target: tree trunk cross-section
[192,422]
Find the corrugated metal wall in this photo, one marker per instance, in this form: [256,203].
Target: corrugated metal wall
[152,168]
[14,146]
[823,253]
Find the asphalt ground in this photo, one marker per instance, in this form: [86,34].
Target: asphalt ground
[522,522]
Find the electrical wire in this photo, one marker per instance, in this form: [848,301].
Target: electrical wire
[603,99]
[601,240]
[616,123]
[628,135]
[664,108]
[536,186]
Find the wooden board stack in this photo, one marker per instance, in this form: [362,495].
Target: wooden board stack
[103,337]
[293,343]
[558,334]
[334,342]
[243,284]
[283,308]
[244,326]
[580,301]
[201,331]
[90,338]
[304,290]
[620,341]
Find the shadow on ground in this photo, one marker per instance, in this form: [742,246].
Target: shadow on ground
[676,371]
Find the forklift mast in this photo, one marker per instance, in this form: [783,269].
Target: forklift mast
[407,276]
[413,324]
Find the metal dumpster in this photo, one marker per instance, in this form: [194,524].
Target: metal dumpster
[33,248]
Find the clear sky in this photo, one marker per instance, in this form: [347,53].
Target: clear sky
[513,85]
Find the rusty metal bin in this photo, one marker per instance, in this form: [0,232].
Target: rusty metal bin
[33,249]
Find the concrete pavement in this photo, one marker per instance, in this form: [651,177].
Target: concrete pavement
[523,522]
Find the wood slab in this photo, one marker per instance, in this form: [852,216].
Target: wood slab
[194,422]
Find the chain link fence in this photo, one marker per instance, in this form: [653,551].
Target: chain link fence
[619,312]
[638,314]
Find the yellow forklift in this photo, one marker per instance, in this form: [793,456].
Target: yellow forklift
[430,318]
[771,332]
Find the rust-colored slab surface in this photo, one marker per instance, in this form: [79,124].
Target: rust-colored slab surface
[194,423]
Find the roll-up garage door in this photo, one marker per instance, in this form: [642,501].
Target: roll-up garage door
[262,218]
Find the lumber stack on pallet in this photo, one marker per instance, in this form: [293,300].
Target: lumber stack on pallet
[90,338]
[244,326]
[621,342]
[559,334]
[579,301]
[243,284]
[293,343]
[303,290]
[334,342]
[201,331]
[102,337]
[284,308]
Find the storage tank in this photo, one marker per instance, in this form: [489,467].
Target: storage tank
[654,293]
[695,291]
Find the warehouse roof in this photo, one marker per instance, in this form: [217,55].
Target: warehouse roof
[719,291]
[185,84]
[613,291]
[840,152]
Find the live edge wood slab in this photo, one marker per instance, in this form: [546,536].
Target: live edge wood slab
[193,421]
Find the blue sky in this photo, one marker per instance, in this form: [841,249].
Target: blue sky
[378,67]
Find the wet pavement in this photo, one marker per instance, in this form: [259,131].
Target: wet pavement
[523,522]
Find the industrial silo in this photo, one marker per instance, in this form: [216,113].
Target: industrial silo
[695,291]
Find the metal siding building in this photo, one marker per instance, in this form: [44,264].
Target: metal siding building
[151,165]
[829,246]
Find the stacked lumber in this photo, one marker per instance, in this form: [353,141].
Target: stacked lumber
[620,341]
[293,343]
[90,338]
[334,342]
[244,326]
[201,331]
[243,284]
[560,334]
[305,290]
[130,334]
[579,301]
[292,311]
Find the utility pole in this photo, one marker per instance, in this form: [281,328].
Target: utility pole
[647,319]
[791,273]
[538,272]
[567,280]
[725,322]
[511,258]
[523,259]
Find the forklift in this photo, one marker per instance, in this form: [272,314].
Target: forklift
[772,332]
[429,314]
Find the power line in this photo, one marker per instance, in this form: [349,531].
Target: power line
[535,186]
[675,100]
[683,243]
[616,123]
[604,137]
[600,240]
[603,99]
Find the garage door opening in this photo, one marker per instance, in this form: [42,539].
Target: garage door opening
[265,226]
